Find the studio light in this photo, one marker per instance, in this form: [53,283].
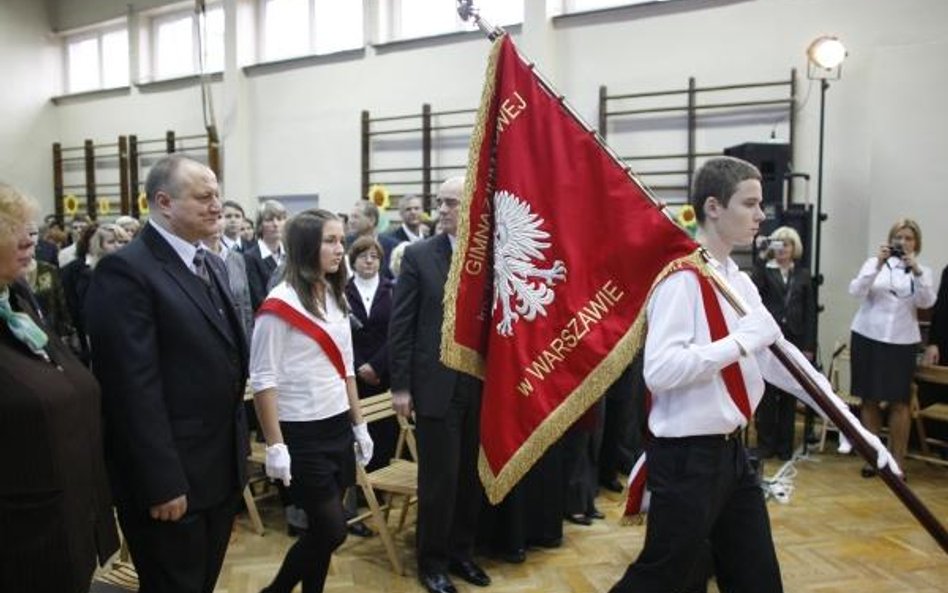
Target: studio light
[825,55]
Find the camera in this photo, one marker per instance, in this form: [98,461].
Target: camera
[775,245]
[896,250]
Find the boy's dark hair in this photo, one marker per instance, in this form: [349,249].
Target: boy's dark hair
[719,177]
[234,205]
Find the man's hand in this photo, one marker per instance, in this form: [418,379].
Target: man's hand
[172,510]
[368,374]
[401,401]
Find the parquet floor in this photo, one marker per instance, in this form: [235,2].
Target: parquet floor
[839,533]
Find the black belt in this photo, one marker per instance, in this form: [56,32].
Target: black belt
[701,438]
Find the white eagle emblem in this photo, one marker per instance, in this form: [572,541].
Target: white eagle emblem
[521,289]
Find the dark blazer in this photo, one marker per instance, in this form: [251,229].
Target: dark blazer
[172,370]
[76,277]
[55,508]
[415,328]
[791,303]
[259,270]
[47,251]
[370,333]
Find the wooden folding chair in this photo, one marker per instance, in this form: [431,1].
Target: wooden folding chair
[839,361]
[937,412]
[397,481]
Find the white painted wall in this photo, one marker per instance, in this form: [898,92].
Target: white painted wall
[296,130]
[29,61]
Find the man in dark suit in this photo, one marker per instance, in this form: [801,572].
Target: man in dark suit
[171,357]
[410,209]
[446,405]
[233,221]
[364,222]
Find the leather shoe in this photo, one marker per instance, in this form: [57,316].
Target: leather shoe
[579,519]
[545,542]
[512,556]
[470,572]
[612,485]
[595,514]
[868,471]
[437,582]
[360,529]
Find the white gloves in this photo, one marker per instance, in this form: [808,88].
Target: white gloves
[278,463]
[883,457]
[364,444]
[756,330]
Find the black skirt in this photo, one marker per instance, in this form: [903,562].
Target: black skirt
[880,371]
[322,458]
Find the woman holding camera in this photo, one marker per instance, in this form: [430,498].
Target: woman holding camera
[786,291]
[892,286]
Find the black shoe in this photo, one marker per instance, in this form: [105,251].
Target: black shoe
[785,456]
[295,530]
[868,471]
[514,556]
[360,529]
[612,485]
[436,582]
[545,542]
[470,572]
[595,514]
[579,519]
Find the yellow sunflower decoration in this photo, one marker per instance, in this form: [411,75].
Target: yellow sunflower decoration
[142,203]
[70,204]
[687,220]
[104,206]
[379,196]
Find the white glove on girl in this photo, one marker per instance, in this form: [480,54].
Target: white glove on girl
[278,463]
[364,444]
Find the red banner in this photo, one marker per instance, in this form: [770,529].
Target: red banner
[558,248]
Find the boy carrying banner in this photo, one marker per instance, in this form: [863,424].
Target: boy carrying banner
[705,368]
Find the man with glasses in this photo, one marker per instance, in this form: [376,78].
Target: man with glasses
[446,405]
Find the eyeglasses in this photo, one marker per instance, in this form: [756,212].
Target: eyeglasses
[368,256]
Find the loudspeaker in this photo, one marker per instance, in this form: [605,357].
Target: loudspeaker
[773,161]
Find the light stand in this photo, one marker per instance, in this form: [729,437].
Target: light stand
[825,57]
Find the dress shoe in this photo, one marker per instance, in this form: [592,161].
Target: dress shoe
[437,582]
[595,514]
[579,519]
[470,572]
[612,485]
[360,529]
[868,471]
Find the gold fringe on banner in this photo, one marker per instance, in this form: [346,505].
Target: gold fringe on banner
[454,355]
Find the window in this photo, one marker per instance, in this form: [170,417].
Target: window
[587,5]
[176,43]
[292,28]
[96,60]
[407,19]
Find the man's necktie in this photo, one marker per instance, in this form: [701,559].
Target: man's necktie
[200,266]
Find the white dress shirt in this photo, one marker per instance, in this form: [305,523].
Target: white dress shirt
[682,364]
[284,358]
[265,252]
[412,237]
[367,290]
[184,249]
[890,299]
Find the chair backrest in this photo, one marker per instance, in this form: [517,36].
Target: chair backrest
[379,407]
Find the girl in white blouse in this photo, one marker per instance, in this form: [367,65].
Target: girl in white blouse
[892,286]
[301,371]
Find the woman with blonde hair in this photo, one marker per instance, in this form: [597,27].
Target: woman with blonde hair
[55,507]
[891,286]
[786,291]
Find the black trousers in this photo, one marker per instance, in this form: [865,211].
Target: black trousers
[449,491]
[183,556]
[776,416]
[704,492]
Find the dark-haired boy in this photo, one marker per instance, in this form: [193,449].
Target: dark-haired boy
[705,367]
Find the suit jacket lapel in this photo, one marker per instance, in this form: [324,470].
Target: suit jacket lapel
[355,301]
[189,283]
[443,256]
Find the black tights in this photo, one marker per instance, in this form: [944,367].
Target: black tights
[307,560]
